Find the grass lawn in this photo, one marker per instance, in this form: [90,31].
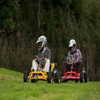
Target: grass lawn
[12,87]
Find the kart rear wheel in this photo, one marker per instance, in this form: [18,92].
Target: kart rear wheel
[76,81]
[82,77]
[25,78]
[58,77]
[49,79]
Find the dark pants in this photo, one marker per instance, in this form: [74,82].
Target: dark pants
[66,67]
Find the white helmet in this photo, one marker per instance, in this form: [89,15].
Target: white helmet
[42,39]
[72,42]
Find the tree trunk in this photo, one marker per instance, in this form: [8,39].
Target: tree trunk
[39,14]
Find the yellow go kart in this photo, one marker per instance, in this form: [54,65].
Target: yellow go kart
[52,75]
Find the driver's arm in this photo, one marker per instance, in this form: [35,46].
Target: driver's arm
[68,59]
[79,56]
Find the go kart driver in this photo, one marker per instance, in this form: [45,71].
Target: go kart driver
[44,55]
[74,56]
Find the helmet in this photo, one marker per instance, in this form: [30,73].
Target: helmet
[72,42]
[42,39]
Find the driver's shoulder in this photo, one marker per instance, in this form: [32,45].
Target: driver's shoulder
[77,50]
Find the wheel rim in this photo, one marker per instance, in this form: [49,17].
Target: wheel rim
[27,79]
[59,80]
[51,80]
[83,79]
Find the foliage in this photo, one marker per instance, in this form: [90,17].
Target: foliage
[8,10]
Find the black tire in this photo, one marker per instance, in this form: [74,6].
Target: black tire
[58,77]
[54,69]
[54,72]
[65,81]
[82,77]
[49,79]
[76,81]
[25,78]
[33,81]
[86,77]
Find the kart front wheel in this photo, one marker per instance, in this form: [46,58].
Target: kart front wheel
[58,77]
[33,81]
[76,81]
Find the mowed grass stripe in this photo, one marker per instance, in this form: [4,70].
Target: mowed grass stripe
[12,87]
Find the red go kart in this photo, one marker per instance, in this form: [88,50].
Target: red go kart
[73,75]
